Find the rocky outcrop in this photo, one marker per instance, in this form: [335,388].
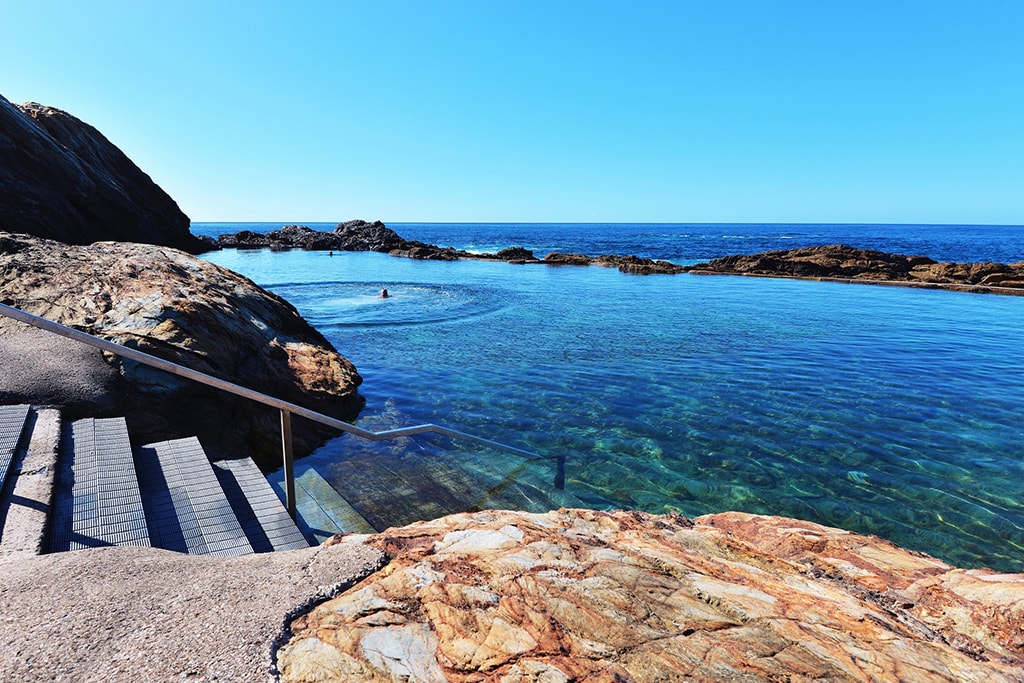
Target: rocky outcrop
[63,180]
[180,308]
[847,263]
[626,264]
[363,236]
[355,235]
[578,595]
[358,235]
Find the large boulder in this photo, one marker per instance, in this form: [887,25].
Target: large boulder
[582,595]
[180,308]
[63,180]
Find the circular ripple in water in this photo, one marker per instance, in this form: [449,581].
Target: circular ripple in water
[347,304]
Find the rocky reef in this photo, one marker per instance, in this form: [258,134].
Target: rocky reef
[354,235]
[842,262]
[62,179]
[626,264]
[358,235]
[578,595]
[178,307]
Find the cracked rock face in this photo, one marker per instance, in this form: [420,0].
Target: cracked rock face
[63,180]
[577,595]
[172,305]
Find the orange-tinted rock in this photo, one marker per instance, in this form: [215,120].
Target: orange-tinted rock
[625,596]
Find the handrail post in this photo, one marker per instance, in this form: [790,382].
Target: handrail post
[289,462]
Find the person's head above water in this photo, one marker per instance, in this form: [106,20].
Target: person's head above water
[384,294]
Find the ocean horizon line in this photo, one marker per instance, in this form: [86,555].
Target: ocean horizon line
[696,223]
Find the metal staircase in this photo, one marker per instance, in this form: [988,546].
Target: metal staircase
[164,495]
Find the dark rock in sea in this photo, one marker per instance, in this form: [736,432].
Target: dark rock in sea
[358,235]
[558,259]
[180,308]
[246,239]
[638,266]
[626,264]
[62,179]
[354,235]
[515,254]
[419,250]
[864,265]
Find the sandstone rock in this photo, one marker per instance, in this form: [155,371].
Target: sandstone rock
[578,595]
[844,262]
[63,180]
[175,306]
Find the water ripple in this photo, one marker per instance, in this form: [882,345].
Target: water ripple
[359,304]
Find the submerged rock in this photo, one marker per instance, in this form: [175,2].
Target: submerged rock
[848,263]
[578,595]
[63,180]
[180,308]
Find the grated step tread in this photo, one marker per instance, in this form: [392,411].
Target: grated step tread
[263,518]
[97,501]
[186,507]
[12,425]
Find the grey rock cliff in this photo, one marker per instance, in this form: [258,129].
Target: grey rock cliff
[60,178]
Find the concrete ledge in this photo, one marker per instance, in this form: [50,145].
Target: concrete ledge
[28,502]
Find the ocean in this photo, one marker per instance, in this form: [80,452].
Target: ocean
[882,410]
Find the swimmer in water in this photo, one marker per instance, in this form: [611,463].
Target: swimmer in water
[384,294]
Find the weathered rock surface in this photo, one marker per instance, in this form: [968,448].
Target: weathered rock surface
[180,308]
[626,264]
[63,180]
[578,595]
[844,262]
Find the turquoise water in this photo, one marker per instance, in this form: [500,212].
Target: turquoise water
[882,410]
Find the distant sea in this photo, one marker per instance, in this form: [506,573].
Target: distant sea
[883,410]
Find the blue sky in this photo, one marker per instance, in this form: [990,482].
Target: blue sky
[711,111]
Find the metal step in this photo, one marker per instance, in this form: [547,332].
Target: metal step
[263,518]
[97,502]
[321,510]
[12,425]
[186,508]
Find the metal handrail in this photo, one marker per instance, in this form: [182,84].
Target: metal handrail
[287,408]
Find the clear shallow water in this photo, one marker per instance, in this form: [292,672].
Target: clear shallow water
[882,410]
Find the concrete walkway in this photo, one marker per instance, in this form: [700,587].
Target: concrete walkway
[144,614]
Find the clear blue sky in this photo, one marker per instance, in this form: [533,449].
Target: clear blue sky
[709,111]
